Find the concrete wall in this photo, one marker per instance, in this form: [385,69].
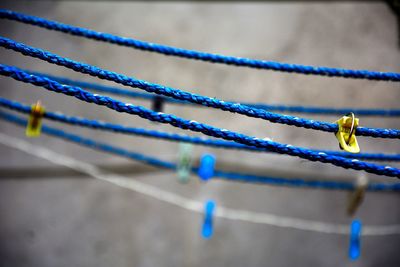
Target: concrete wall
[58,220]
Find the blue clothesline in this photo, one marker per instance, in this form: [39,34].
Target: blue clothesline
[214,58]
[186,96]
[192,125]
[95,124]
[276,108]
[231,176]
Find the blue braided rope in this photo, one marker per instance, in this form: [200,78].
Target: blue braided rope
[94,124]
[296,182]
[275,108]
[175,121]
[186,96]
[230,176]
[190,54]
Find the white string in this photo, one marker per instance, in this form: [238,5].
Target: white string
[189,204]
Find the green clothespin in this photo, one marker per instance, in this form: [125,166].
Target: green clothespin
[185,162]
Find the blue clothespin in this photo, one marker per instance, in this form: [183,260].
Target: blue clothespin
[355,236]
[207,229]
[207,165]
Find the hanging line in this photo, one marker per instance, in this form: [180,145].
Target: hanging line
[329,111]
[203,56]
[189,204]
[186,96]
[195,126]
[95,124]
[229,176]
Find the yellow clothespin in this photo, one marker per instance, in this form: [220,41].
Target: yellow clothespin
[34,127]
[347,133]
[357,196]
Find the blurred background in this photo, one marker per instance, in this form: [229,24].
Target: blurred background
[53,216]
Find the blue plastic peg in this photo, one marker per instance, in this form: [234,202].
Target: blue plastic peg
[355,236]
[207,165]
[207,229]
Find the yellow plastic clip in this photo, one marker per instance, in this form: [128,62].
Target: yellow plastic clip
[34,127]
[347,133]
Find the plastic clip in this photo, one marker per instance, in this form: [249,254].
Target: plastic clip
[207,229]
[355,242]
[34,127]
[346,133]
[158,103]
[357,196]
[207,165]
[185,162]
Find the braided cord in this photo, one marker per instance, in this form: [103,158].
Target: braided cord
[190,54]
[230,176]
[192,125]
[95,124]
[275,108]
[186,96]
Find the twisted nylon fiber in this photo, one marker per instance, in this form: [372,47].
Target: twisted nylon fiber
[214,58]
[94,124]
[277,108]
[159,89]
[175,121]
[230,176]
[186,96]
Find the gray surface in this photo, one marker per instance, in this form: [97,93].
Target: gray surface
[66,221]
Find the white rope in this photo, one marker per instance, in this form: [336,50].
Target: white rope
[189,204]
